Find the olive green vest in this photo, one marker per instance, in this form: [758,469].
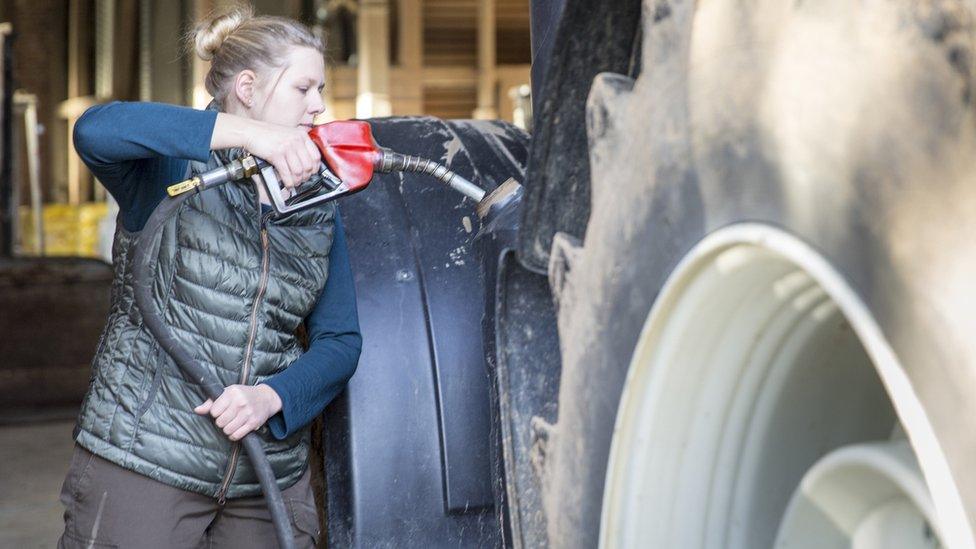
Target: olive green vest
[234,296]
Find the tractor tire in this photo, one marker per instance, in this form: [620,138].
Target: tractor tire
[767,331]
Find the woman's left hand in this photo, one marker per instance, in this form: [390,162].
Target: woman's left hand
[241,409]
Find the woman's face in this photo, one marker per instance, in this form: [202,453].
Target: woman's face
[293,96]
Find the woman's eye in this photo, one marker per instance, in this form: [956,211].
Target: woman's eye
[303,90]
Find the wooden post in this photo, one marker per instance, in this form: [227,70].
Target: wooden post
[7,205]
[410,99]
[198,67]
[79,42]
[487,100]
[145,50]
[104,49]
[373,95]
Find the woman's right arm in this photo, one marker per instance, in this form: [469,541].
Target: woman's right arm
[137,148]
[110,138]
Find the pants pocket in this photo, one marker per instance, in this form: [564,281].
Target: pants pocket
[300,501]
[79,473]
[305,521]
[82,514]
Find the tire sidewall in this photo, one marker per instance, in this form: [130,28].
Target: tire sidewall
[696,147]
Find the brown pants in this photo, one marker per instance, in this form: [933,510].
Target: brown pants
[109,506]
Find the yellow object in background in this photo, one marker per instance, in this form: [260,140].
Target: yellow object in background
[68,230]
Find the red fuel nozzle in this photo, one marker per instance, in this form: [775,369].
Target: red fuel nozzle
[352,156]
[349,150]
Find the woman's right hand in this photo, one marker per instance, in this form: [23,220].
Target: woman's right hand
[292,153]
[288,149]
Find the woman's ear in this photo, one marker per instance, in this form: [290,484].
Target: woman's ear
[244,87]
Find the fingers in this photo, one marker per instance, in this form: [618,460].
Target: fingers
[316,156]
[224,401]
[297,166]
[236,411]
[290,150]
[204,408]
[235,423]
[284,171]
[303,160]
[242,432]
[242,424]
[227,418]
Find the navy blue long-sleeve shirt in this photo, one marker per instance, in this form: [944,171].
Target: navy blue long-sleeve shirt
[136,150]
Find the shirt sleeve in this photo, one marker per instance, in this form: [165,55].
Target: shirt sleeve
[310,383]
[135,149]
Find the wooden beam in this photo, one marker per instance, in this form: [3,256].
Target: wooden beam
[487,90]
[373,97]
[79,88]
[198,67]
[145,50]
[104,48]
[408,93]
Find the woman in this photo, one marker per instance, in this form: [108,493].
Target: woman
[149,468]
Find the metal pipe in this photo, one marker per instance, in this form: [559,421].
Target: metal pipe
[396,162]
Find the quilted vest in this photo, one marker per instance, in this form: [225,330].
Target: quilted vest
[234,294]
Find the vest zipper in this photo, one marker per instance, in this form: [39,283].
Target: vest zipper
[235,453]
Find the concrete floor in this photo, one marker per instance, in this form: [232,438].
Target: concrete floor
[33,461]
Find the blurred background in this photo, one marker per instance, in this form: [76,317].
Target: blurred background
[443,58]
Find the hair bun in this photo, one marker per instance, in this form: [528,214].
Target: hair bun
[211,32]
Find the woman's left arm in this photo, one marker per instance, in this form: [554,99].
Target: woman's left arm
[292,398]
[334,344]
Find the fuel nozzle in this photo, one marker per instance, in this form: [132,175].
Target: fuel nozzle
[349,146]
[350,158]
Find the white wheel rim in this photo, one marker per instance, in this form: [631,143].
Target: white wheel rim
[864,496]
[723,366]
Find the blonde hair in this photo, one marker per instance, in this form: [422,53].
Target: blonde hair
[238,40]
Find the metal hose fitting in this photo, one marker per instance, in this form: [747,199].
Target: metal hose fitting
[396,162]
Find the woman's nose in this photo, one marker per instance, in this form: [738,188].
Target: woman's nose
[317,105]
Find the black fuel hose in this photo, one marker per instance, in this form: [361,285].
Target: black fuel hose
[144,264]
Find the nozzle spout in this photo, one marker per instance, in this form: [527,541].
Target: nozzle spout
[395,162]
